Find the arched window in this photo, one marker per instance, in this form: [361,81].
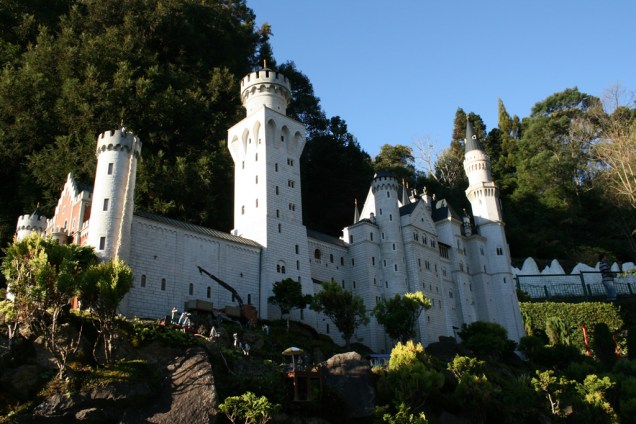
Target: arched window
[163,284]
[143,280]
[317,254]
[208,292]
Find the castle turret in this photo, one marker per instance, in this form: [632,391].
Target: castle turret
[113,193]
[265,88]
[28,224]
[266,147]
[497,283]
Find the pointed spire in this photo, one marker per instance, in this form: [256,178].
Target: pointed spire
[405,193]
[356,214]
[472,142]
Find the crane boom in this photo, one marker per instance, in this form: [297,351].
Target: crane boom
[223,284]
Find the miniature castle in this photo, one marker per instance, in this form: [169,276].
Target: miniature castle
[399,242]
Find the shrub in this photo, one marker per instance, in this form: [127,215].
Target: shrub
[487,339]
[604,345]
[248,409]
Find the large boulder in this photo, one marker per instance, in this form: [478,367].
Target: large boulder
[189,395]
[349,375]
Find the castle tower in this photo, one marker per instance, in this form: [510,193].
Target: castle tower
[497,282]
[386,192]
[28,224]
[113,193]
[266,147]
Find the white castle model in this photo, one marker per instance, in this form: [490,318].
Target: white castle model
[398,243]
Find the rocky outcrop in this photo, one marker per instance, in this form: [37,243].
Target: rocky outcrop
[349,375]
[186,395]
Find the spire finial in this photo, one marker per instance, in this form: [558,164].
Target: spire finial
[264,63]
[356,214]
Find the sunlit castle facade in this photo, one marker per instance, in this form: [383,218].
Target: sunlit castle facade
[398,242]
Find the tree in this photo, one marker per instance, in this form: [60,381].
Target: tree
[399,314]
[344,309]
[42,277]
[287,296]
[397,160]
[102,288]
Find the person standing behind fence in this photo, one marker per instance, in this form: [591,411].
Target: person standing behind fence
[608,278]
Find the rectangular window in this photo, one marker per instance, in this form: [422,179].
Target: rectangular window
[143,280]
[105,208]
[110,169]
[102,243]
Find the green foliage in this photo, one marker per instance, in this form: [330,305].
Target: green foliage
[462,365]
[409,379]
[288,295]
[342,307]
[102,288]
[141,332]
[248,409]
[487,339]
[556,331]
[43,276]
[573,316]
[403,415]
[396,160]
[631,342]
[604,344]
[399,314]
[553,388]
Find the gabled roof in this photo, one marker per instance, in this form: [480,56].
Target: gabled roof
[197,229]
[442,210]
[408,208]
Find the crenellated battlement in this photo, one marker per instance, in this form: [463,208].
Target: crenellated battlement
[265,88]
[120,139]
[384,181]
[32,223]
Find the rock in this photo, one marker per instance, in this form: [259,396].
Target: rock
[119,394]
[97,415]
[22,382]
[56,406]
[349,375]
[188,396]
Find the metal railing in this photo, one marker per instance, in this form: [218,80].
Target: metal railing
[586,285]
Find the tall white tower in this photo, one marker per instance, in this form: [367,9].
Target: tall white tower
[483,195]
[113,193]
[266,147]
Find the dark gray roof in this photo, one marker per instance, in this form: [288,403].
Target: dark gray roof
[472,142]
[325,238]
[408,208]
[444,212]
[197,229]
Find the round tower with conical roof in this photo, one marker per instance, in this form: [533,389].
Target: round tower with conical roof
[117,153]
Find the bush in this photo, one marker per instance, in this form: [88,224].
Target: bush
[487,339]
[248,409]
[604,345]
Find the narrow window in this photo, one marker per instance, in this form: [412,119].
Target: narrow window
[105,208]
[163,284]
[317,254]
[276,167]
[102,243]
[256,179]
[277,213]
[327,328]
[296,249]
[298,265]
[331,257]
[243,165]
[110,169]
[242,210]
[350,238]
[395,267]
[388,194]
[373,260]
[353,263]
[354,284]
[342,261]
[371,236]
[302,314]
[280,228]
[386,284]
[276,189]
[256,157]
[256,202]
[143,280]
[249,299]
[208,292]
[191,289]
[390,217]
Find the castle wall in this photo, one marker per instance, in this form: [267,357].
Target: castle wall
[164,259]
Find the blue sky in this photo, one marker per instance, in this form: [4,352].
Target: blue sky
[396,71]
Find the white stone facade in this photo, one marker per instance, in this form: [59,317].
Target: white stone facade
[400,242]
